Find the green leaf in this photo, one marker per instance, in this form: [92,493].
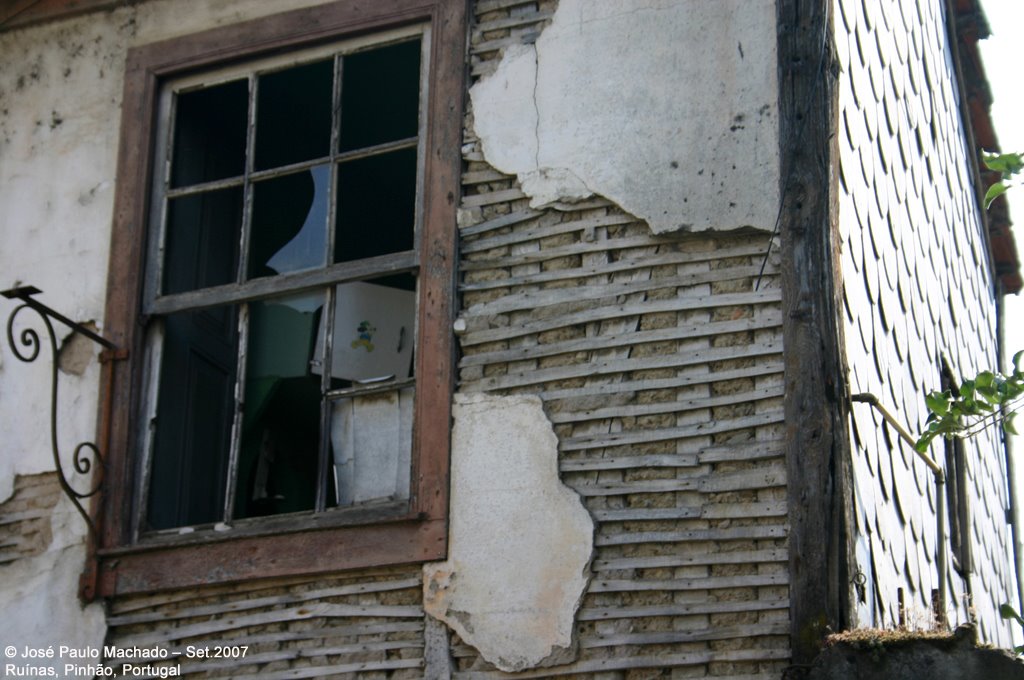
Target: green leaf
[1008,612]
[967,389]
[1008,423]
[922,444]
[937,402]
[1005,163]
[1016,361]
[994,192]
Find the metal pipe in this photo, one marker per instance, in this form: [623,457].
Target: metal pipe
[940,504]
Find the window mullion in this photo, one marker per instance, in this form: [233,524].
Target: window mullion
[237,424]
[246,238]
[243,311]
[323,464]
[323,478]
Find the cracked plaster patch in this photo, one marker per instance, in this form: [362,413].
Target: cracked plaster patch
[666,107]
[520,542]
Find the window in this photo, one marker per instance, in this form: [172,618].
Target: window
[281,273]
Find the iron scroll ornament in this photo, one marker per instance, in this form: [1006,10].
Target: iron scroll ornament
[27,349]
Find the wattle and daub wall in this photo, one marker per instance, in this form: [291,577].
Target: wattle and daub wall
[657,358]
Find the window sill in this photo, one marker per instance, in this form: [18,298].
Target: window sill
[230,557]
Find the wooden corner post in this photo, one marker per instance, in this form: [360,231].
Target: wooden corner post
[816,398]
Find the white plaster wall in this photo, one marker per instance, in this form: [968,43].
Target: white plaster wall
[60,96]
[666,107]
[520,541]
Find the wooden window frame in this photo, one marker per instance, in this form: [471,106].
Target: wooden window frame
[308,544]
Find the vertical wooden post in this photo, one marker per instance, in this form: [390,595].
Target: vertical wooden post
[816,401]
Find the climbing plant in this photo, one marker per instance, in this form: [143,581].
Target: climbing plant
[989,398]
[1008,165]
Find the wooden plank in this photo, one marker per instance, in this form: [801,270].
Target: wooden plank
[512,22]
[763,322]
[544,231]
[629,365]
[662,407]
[628,462]
[744,510]
[482,65]
[658,486]
[483,176]
[738,452]
[230,607]
[499,222]
[647,514]
[557,252]
[742,533]
[765,477]
[817,409]
[155,568]
[711,511]
[680,637]
[767,368]
[614,311]
[622,264]
[317,633]
[487,6]
[626,662]
[206,665]
[327,671]
[662,434]
[680,609]
[493,197]
[604,294]
[309,611]
[602,585]
[698,559]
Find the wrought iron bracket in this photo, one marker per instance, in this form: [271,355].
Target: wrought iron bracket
[27,349]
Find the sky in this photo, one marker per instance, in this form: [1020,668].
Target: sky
[1003,64]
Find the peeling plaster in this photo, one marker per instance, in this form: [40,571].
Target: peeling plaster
[520,541]
[76,351]
[39,598]
[666,107]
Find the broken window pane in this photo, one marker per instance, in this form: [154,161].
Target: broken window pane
[196,408]
[201,247]
[279,455]
[263,435]
[374,327]
[372,415]
[210,134]
[380,96]
[293,115]
[289,223]
[376,206]
[371,446]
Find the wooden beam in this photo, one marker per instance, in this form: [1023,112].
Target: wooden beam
[816,401]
